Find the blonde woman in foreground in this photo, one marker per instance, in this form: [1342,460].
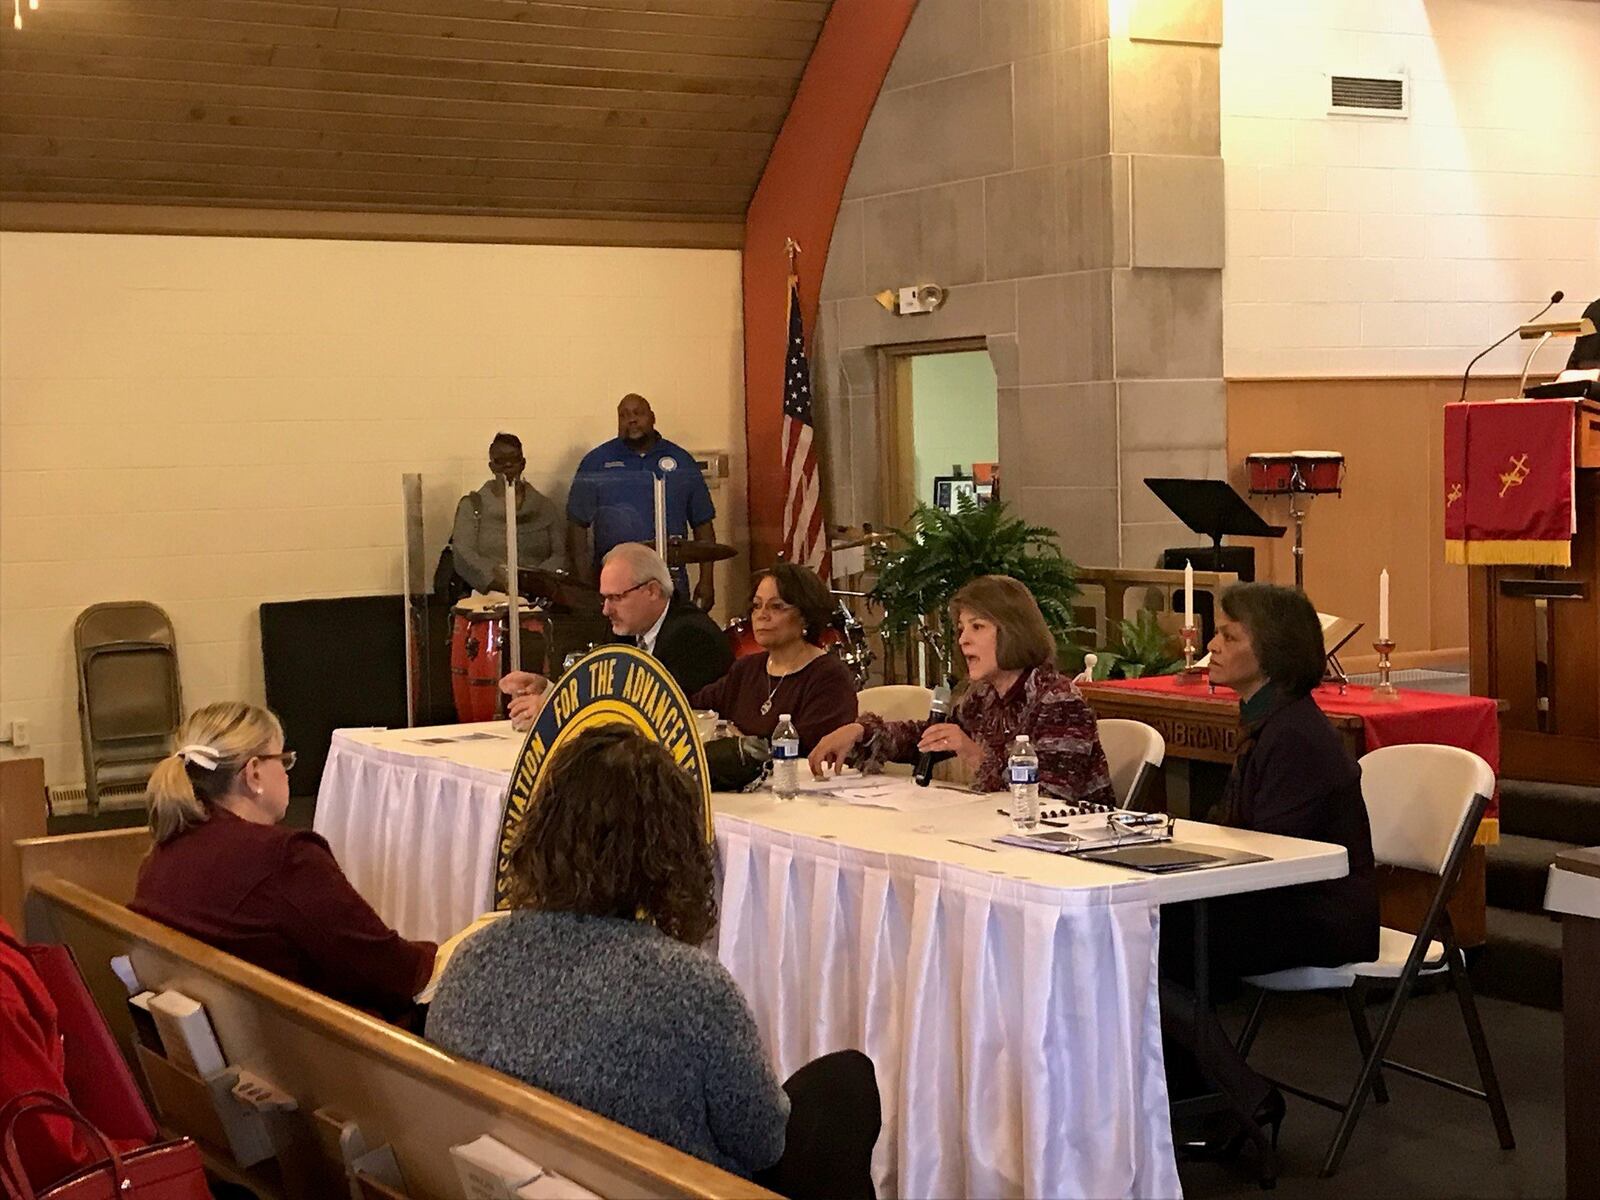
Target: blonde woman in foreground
[225,871]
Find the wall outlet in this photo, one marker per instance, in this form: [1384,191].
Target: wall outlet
[19,733]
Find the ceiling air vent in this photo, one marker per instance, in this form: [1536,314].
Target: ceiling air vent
[1369,95]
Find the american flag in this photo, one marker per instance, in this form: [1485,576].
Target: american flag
[805,538]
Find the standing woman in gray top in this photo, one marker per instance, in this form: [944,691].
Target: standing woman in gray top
[595,988]
[478,539]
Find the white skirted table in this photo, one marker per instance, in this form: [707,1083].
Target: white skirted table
[1007,998]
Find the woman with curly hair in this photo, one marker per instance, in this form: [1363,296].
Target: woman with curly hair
[595,988]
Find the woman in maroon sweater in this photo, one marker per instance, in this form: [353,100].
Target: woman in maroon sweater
[224,871]
[793,675]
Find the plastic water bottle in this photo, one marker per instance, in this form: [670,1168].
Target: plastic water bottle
[1023,768]
[785,759]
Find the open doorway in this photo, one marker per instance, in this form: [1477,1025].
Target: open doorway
[939,426]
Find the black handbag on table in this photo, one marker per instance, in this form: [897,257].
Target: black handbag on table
[737,764]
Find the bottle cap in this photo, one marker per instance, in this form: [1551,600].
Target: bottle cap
[785,717]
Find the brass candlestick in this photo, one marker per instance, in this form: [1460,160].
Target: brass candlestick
[1385,690]
[1191,642]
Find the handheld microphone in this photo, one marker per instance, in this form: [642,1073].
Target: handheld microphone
[936,712]
[1556,298]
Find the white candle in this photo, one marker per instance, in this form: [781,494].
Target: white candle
[1188,594]
[1383,605]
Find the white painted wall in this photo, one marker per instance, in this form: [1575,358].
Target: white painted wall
[210,423]
[1371,246]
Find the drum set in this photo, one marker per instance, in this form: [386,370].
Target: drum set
[561,618]
[844,636]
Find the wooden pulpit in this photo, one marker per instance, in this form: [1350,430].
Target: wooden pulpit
[1535,642]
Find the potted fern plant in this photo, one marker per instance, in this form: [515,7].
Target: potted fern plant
[941,551]
[1142,648]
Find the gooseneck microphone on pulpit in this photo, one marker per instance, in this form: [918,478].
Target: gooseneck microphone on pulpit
[1556,298]
[937,711]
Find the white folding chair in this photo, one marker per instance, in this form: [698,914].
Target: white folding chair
[1424,803]
[1134,752]
[896,701]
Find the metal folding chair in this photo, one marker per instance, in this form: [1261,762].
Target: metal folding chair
[130,700]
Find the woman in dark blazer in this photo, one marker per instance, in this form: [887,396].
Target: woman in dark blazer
[1291,776]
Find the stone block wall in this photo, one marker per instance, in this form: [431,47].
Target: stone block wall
[1062,179]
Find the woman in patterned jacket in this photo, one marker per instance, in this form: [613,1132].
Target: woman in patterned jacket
[1012,688]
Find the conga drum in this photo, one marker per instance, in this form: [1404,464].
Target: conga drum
[477,643]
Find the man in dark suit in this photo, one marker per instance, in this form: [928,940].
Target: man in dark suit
[638,598]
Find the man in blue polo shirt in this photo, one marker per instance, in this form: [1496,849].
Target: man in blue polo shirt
[613,495]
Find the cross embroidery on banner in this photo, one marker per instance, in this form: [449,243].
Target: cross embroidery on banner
[1516,476]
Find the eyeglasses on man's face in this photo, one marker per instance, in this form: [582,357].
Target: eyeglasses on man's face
[616,597]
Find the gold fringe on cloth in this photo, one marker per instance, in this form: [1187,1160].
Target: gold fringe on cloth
[1518,553]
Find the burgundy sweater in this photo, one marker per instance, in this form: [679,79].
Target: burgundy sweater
[275,897]
[820,696]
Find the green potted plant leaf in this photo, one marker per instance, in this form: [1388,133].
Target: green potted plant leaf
[941,551]
[1142,648]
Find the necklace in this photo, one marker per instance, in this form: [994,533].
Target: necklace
[766,706]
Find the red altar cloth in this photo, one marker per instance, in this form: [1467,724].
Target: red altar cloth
[1471,722]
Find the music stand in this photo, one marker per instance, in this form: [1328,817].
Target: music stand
[1212,509]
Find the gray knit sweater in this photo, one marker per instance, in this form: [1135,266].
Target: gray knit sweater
[622,1020]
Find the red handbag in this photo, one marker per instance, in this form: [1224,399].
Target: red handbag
[167,1171]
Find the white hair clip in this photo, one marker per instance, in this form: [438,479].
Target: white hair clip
[203,757]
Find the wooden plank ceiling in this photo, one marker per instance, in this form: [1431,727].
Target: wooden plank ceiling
[616,110]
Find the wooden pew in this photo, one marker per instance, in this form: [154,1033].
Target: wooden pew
[106,862]
[22,815]
[399,1089]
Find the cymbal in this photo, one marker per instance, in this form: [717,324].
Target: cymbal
[552,585]
[681,553]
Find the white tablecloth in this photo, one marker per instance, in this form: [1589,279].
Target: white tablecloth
[1007,998]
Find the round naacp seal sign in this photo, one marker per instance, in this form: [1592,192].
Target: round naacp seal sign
[609,684]
[667,463]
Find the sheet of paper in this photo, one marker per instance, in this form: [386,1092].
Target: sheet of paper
[450,739]
[884,791]
[847,780]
